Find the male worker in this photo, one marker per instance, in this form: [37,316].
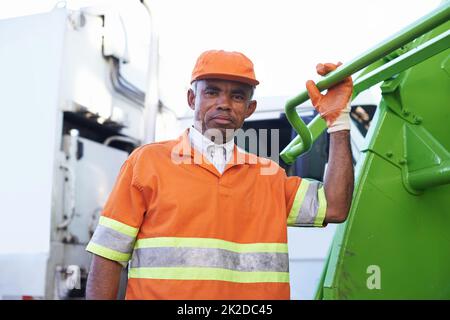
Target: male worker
[216,228]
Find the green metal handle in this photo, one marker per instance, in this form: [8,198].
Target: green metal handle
[307,134]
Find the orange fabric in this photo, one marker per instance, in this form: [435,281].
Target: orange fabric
[200,290]
[164,199]
[225,65]
[335,100]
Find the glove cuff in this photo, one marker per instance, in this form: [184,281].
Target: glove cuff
[343,121]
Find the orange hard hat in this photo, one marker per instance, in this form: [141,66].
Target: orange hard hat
[220,64]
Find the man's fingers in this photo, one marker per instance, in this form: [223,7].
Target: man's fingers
[348,81]
[324,68]
[313,92]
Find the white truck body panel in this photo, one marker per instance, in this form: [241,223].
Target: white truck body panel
[52,63]
[27,170]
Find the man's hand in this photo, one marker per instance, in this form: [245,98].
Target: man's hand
[334,106]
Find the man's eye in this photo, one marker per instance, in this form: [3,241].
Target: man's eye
[210,92]
[238,97]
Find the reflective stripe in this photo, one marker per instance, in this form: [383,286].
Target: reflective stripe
[310,205]
[210,243]
[318,222]
[107,253]
[112,239]
[207,274]
[118,226]
[210,258]
[299,197]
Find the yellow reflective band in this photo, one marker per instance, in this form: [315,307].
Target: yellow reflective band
[208,274]
[107,253]
[320,217]
[299,197]
[210,243]
[118,226]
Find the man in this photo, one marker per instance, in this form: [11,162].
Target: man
[197,218]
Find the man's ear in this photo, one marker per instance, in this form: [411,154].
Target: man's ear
[250,109]
[191,99]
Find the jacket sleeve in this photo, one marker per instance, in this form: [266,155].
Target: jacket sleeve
[121,218]
[305,202]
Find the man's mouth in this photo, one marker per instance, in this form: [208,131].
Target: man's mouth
[222,120]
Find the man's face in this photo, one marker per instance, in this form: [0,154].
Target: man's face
[220,104]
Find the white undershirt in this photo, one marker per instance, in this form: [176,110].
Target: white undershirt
[217,154]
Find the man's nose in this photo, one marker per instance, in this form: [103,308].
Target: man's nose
[224,102]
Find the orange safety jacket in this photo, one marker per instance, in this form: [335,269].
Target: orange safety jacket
[189,232]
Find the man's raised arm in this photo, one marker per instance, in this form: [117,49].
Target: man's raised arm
[334,107]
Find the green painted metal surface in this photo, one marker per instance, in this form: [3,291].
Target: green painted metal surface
[396,241]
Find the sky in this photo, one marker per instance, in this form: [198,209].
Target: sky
[285,38]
